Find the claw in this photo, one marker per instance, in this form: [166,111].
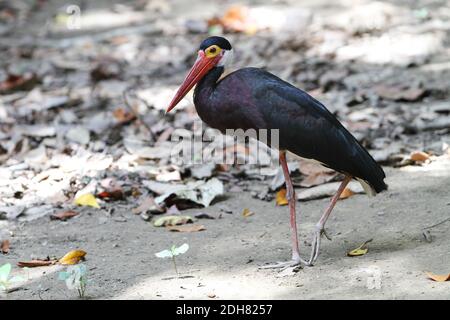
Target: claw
[325,234]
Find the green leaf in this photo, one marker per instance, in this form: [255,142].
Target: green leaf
[164,254]
[5,270]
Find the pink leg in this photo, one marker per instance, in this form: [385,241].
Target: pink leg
[320,226]
[296,260]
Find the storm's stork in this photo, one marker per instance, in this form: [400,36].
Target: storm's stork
[252,98]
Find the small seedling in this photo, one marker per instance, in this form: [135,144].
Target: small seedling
[75,278]
[172,253]
[5,280]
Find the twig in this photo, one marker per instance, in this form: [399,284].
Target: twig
[435,225]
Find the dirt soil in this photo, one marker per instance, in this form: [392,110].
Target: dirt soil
[223,260]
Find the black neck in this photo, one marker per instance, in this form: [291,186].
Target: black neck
[209,81]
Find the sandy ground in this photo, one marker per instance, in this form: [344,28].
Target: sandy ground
[223,260]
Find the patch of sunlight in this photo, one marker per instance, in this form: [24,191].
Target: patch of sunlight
[94,19]
[393,47]
[436,67]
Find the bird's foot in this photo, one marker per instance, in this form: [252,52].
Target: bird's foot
[293,263]
[315,243]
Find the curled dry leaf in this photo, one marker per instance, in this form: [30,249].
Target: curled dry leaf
[87,199]
[18,82]
[438,277]
[5,246]
[187,228]
[281,199]
[419,156]
[36,263]
[72,257]
[247,213]
[64,215]
[172,220]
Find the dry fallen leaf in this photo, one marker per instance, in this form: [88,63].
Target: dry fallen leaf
[72,257]
[357,252]
[419,156]
[438,277]
[87,199]
[5,246]
[172,220]
[112,195]
[36,263]
[361,250]
[247,213]
[347,193]
[281,199]
[64,215]
[18,82]
[187,228]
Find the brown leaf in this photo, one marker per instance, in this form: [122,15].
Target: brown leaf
[18,82]
[419,156]
[347,193]
[5,246]
[438,277]
[72,257]
[235,19]
[308,168]
[36,263]
[187,228]
[64,215]
[247,213]
[281,198]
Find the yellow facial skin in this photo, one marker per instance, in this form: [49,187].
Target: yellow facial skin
[212,51]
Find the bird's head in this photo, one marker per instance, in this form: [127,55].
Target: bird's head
[213,51]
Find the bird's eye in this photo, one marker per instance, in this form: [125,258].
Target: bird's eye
[212,51]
